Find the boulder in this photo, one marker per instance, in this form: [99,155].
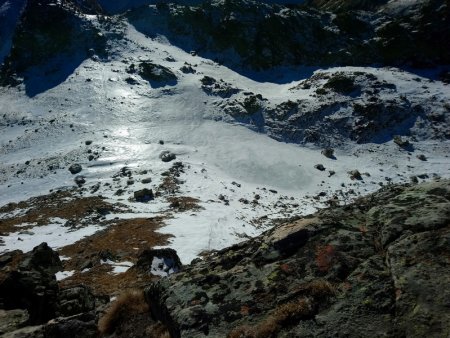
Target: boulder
[75,168]
[167,156]
[328,152]
[159,262]
[32,286]
[42,258]
[12,320]
[319,167]
[75,300]
[143,195]
[79,180]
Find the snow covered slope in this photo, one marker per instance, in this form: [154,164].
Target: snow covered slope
[118,114]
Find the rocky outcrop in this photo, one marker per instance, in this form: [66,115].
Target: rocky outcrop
[378,266]
[157,75]
[32,286]
[264,35]
[53,36]
[341,107]
[30,296]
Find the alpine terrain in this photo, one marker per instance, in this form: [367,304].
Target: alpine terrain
[224,168]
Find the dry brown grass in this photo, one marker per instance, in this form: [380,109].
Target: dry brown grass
[283,315]
[128,304]
[59,204]
[290,313]
[129,316]
[125,238]
[122,236]
[157,330]
[184,203]
[320,288]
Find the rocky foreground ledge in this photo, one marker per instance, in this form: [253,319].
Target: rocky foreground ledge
[378,267]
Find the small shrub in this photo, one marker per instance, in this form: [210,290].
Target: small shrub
[320,288]
[283,315]
[324,257]
[321,91]
[341,84]
[129,303]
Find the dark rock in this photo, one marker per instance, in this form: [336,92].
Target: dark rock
[86,265]
[398,140]
[75,300]
[79,326]
[355,175]
[75,168]
[146,180]
[12,320]
[167,156]
[79,180]
[328,152]
[88,142]
[144,195]
[341,83]
[319,167]
[33,285]
[421,157]
[157,75]
[160,262]
[106,255]
[42,258]
[187,69]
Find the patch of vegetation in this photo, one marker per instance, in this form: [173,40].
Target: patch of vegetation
[341,84]
[122,314]
[287,314]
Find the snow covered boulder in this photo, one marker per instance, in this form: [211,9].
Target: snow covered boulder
[159,262]
[80,180]
[167,156]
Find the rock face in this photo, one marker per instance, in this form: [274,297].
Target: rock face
[30,295]
[358,32]
[376,112]
[160,262]
[36,43]
[378,266]
[33,285]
